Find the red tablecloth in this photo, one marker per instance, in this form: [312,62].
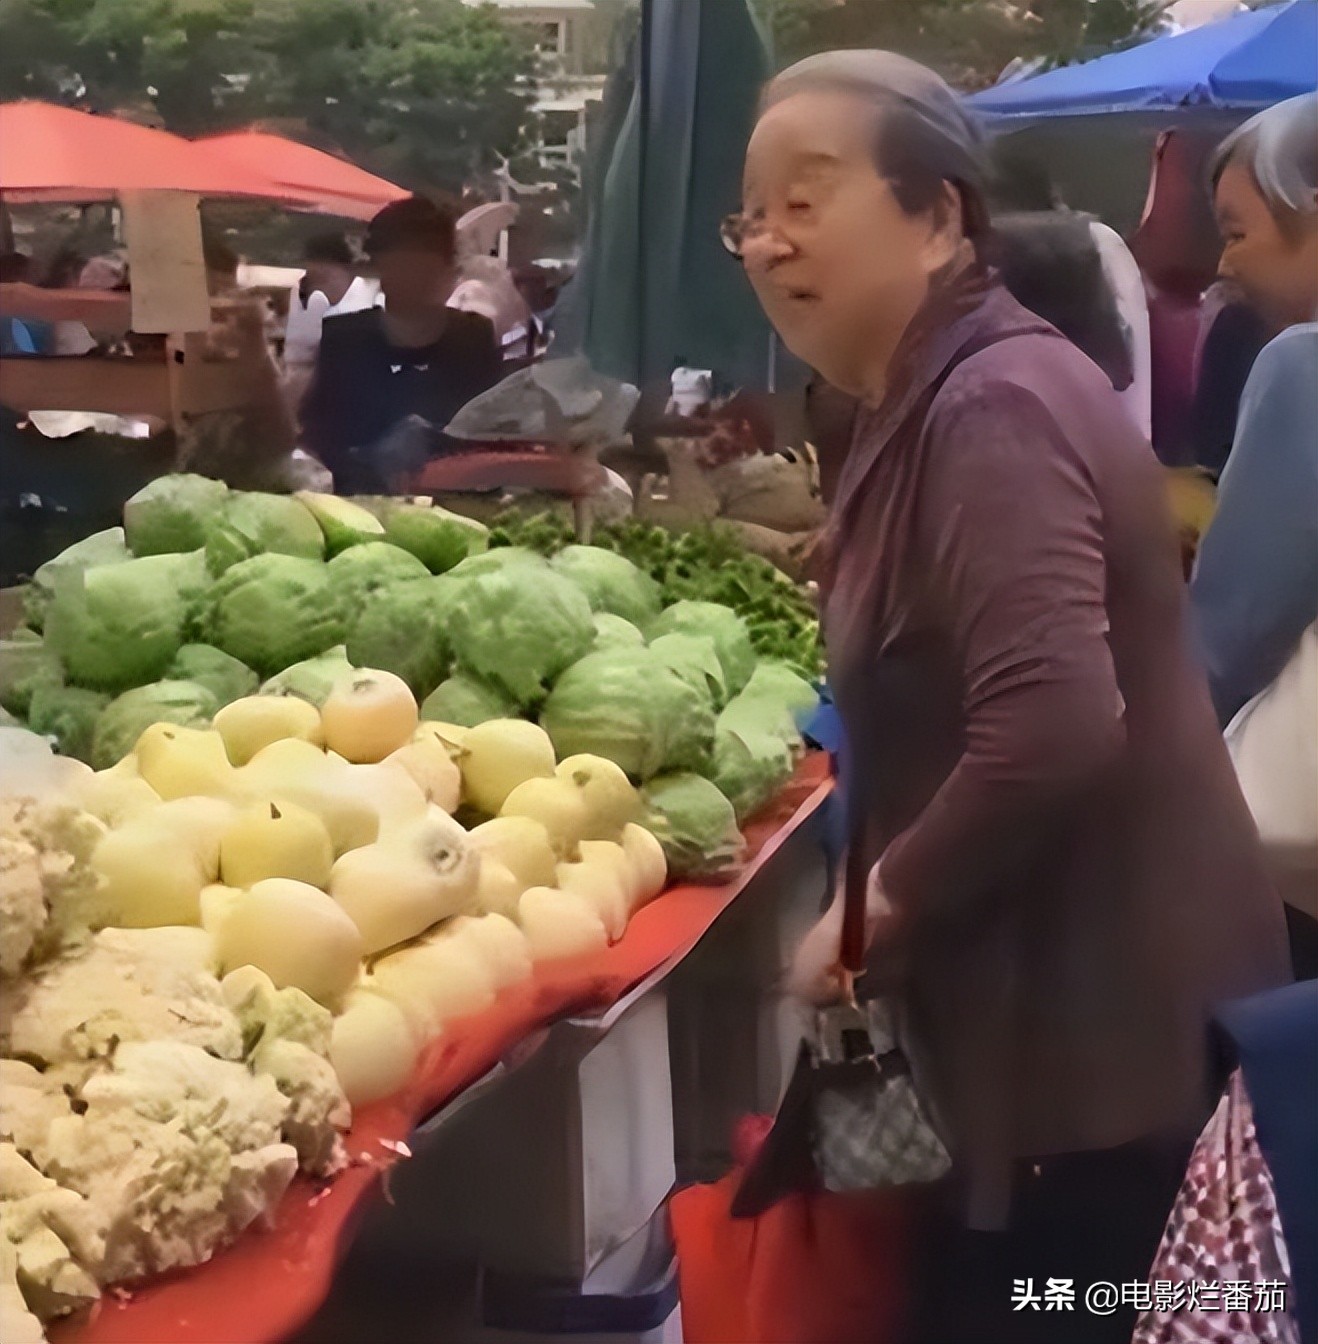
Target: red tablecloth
[270,1281]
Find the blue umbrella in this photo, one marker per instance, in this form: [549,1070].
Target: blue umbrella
[1243,63]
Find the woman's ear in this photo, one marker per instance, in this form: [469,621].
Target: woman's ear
[945,243]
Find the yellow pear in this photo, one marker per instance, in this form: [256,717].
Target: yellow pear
[218,902]
[428,761]
[372,1048]
[303,774]
[452,737]
[558,805]
[408,880]
[434,981]
[499,755]
[391,790]
[254,722]
[200,822]
[498,889]
[115,795]
[369,715]
[610,799]
[294,933]
[560,924]
[520,843]
[649,863]
[276,839]
[604,887]
[503,945]
[150,875]
[184,762]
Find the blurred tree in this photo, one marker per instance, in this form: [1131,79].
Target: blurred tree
[970,42]
[427,92]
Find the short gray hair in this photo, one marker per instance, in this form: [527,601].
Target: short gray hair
[1279,148]
[926,134]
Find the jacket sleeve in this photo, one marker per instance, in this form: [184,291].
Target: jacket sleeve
[1255,587]
[1009,536]
[319,413]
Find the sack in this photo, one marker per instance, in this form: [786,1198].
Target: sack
[1273,743]
[816,1268]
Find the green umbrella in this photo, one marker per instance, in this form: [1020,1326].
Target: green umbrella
[655,286]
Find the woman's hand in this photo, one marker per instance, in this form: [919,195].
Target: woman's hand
[816,975]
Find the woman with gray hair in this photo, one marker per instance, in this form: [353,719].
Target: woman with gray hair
[1064,879]
[1255,588]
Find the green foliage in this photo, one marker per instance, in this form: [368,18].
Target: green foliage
[428,92]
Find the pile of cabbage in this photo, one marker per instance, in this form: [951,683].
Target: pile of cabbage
[206,595]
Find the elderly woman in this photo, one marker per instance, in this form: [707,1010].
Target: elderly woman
[1255,590]
[1065,879]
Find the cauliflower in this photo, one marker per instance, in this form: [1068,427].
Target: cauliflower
[22,902]
[175,1152]
[47,1227]
[17,1324]
[288,1036]
[123,985]
[48,890]
[30,1102]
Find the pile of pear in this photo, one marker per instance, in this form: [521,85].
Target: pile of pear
[322,847]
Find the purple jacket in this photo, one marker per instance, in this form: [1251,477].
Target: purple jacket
[1035,755]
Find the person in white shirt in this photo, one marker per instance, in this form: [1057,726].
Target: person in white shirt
[330,285]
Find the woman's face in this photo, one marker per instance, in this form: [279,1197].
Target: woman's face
[831,255]
[1275,268]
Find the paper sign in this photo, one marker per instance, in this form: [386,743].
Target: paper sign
[163,232]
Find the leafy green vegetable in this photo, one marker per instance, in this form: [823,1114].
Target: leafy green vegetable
[344,522]
[121,625]
[695,659]
[403,630]
[173,513]
[696,825]
[249,523]
[611,582]
[438,538]
[495,562]
[721,624]
[466,701]
[223,675]
[749,767]
[520,628]
[125,719]
[362,570]
[25,664]
[629,706]
[275,610]
[69,715]
[312,679]
[101,548]
[612,632]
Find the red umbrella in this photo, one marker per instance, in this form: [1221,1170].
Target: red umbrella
[58,154]
[339,187]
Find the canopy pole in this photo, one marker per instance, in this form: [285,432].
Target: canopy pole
[643,157]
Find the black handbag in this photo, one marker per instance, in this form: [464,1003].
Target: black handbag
[851,1118]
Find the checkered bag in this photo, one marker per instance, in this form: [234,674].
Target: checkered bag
[868,1126]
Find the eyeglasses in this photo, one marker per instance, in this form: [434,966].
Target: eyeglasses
[737,229]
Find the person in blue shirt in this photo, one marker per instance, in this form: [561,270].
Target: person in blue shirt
[1255,588]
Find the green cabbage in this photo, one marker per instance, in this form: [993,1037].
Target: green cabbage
[520,628]
[754,715]
[777,681]
[695,659]
[438,538]
[249,524]
[223,675]
[749,767]
[25,664]
[611,582]
[696,825]
[68,714]
[344,522]
[362,570]
[274,610]
[173,513]
[496,561]
[613,632]
[121,625]
[124,720]
[722,625]
[101,548]
[403,631]
[313,679]
[629,706]
[466,701]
